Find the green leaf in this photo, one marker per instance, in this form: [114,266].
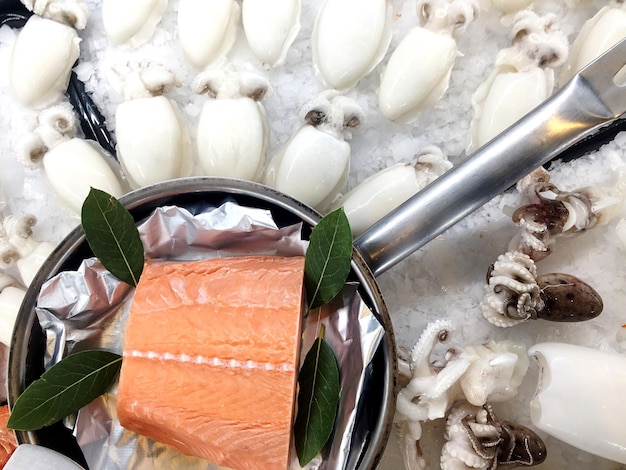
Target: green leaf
[317,400]
[113,236]
[328,258]
[65,388]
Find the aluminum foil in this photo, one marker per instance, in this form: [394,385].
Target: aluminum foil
[87,309]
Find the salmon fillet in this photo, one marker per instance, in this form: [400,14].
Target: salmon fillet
[211,356]
[8,442]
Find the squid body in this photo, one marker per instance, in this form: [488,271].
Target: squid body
[271,31]
[131,23]
[350,38]
[579,398]
[207,29]
[41,62]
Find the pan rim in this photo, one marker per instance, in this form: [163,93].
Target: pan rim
[156,195]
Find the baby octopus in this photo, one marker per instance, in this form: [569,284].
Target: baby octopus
[478,373]
[553,213]
[477,439]
[515,293]
[431,388]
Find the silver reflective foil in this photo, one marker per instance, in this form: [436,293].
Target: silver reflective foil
[87,309]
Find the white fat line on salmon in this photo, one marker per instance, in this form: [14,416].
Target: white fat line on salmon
[212,361]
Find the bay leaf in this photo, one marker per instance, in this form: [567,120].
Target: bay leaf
[64,388]
[328,257]
[317,400]
[113,236]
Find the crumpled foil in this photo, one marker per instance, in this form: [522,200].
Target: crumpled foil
[87,309]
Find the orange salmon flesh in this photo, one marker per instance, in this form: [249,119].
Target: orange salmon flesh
[211,355]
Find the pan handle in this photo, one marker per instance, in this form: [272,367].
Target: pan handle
[589,101]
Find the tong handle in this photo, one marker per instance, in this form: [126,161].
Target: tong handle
[590,100]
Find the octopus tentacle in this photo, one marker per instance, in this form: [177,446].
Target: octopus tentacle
[553,213]
[512,291]
[476,438]
[437,332]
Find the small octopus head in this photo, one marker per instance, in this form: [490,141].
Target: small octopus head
[477,438]
[520,445]
[566,298]
[515,293]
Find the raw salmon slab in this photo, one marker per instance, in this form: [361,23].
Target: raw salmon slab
[211,357]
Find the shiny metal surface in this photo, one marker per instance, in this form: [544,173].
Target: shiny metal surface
[589,101]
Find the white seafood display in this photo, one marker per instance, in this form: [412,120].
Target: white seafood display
[271,31]
[207,30]
[382,192]
[558,223]
[11,297]
[131,23]
[72,165]
[350,38]
[574,410]
[523,76]
[19,249]
[153,142]
[598,34]
[477,438]
[515,293]
[41,62]
[418,71]
[233,135]
[313,165]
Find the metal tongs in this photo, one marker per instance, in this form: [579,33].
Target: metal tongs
[593,99]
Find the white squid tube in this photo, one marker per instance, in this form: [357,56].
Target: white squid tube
[232,138]
[207,29]
[598,34]
[131,23]
[350,38]
[11,299]
[41,62]
[522,79]
[417,74]
[271,31]
[504,98]
[382,192]
[580,398]
[312,167]
[74,166]
[153,142]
